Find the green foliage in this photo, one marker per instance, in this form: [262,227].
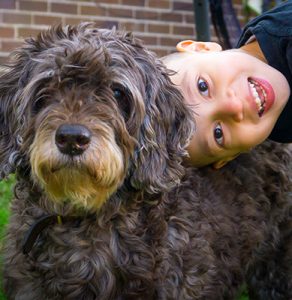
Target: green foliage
[5,197]
[243,294]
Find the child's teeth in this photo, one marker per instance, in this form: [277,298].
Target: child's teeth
[256,96]
[258,102]
[257,99]
[254,91]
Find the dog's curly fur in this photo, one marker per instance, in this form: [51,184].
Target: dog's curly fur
[137,224]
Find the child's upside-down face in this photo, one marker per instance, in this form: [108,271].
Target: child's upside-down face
[236,99]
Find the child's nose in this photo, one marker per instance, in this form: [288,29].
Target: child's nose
[232,107]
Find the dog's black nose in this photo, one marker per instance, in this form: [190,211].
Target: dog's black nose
[72,139]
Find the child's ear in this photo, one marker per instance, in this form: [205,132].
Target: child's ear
[222,162]
[219,164]
[193,46]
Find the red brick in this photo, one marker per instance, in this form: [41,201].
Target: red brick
[27,32]
[7,4]
[159,28]
[179,12]
[92,10]
[159,52]
[76,21]
[64,8]
[147,40]
[134,2]
[47,20]
[33,6]
[190,19]
[159,4]
[171,17]
[6,32]
[107,1]
[183,30]
[14,18]
[9,46]
[186,6]
[132,26]
[168,41]
[120,13]
[147,15]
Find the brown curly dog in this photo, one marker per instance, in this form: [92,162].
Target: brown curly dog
[104,207]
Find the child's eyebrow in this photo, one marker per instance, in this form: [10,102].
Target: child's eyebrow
[189,86]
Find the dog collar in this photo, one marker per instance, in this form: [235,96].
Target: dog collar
[39,225]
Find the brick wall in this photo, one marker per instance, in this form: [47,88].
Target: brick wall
[160,23]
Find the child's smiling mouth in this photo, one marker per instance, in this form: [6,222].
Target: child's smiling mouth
[262,93]
[259,96]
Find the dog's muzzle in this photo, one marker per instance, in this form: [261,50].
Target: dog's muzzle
[74,163]
[72,139]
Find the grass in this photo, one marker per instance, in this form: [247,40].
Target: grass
[5,196]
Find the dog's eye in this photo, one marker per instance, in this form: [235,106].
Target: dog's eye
[123,100]
[38,105]
[118,94]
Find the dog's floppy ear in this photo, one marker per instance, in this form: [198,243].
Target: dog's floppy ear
[164,135]
[16,85]
[12,79]
[8,130]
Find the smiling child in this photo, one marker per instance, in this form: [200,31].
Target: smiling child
[239,97]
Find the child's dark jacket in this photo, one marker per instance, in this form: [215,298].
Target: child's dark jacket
[273,31]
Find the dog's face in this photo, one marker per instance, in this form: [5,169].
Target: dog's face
[83,109]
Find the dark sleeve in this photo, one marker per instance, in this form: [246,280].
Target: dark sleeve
[282,131]
[273,31]
[277,21]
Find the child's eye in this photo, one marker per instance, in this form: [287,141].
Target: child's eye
[203,87]
[218,135]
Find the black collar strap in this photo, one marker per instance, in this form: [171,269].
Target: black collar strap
[37,227]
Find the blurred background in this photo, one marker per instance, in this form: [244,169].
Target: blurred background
[160,23]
